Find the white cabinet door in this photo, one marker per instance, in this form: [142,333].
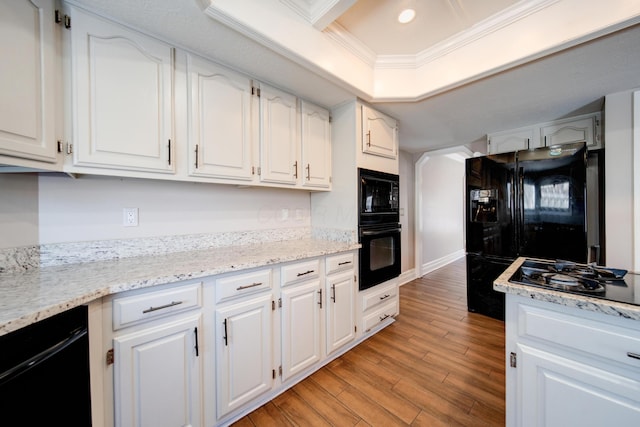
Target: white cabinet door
[28,79]
[279,137]
[122,84]
[221,130]
[566,132]
[316,146]
[379,134]
[340,310]
[513,140]
[243,352]
[157,375]
[555,391]
[301,316]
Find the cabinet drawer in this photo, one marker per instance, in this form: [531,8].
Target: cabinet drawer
[300,271]
[339,262]
[378,316]
[596,338]
[131,310]
[242,284]
[379,296]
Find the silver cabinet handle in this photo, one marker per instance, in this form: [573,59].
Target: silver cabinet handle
[253,285]
[171,304]
[633,355]
[308,172]
[333,293]
[320,302]
[305,273]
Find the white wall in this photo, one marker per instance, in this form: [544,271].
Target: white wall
[18,210]
[54,208]
[407,211]
[442,209]
[619,170]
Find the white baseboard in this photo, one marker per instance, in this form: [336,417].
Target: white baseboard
[407,276]
[441,262]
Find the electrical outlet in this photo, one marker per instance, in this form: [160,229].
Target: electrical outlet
[130,217]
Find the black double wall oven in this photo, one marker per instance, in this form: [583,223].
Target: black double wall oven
[379,227]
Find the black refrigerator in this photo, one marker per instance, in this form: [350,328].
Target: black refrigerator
[527,203]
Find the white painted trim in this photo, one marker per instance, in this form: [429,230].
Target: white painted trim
[407,276]
[441,262]
[459,152]
[636,180]
[459,61]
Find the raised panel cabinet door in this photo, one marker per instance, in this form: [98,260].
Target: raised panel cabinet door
[340,310]
[28,76]
[157,375]
[575,131]
[301,316]
[123,97]
[555,391]
[505,142]
[379,134]
[243,352]
[279,136]
[316,146]
[220,120]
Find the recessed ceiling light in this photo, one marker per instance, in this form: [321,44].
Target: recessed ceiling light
[406,16]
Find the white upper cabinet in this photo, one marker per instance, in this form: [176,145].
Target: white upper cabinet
[574,130]
[221,130]
[28,78]
[513,140]
[316,145]
[122,97]
[379,134]
[279,137]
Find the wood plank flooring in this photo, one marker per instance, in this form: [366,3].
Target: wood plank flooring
[437,365]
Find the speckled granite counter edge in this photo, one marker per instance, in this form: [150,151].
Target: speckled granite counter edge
[29,296]
[582,302]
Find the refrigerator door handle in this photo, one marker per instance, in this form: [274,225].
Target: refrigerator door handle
[521,207]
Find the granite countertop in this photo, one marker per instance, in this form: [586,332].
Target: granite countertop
[30,296]
[567,299]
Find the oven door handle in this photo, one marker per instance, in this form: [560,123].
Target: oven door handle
[378,232]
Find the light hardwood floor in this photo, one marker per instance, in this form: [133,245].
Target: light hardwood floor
[437,365]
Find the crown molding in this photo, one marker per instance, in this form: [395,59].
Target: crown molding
[482,29]
[352,44]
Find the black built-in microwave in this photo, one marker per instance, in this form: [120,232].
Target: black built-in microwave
[378,197]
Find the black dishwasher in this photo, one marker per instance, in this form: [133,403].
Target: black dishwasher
[44,372]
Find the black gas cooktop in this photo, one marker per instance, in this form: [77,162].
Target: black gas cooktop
[610,284]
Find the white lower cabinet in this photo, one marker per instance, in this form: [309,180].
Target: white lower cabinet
[301,314]
[378,306]
[205,352]
[566,366]
[157,375]
[244,352]
[340,301]
[340,311]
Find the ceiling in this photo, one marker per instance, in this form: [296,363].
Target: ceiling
[460,70]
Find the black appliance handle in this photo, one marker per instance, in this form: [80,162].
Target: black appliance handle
[520,208]
[378,232]
[39,358]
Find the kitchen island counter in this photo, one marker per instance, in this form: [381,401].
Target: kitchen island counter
[594,304]
[33,295]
